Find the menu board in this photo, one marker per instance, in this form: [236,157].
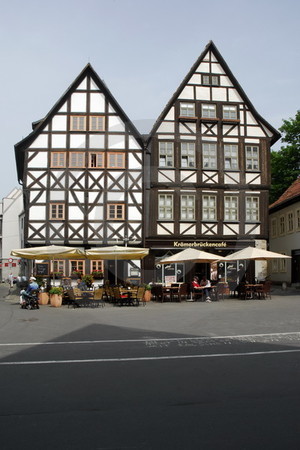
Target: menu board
[42,269]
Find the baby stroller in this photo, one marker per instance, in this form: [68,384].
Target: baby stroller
[29,301]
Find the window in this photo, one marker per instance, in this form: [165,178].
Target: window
[97,123]
[96,159]
[188,154]
[209,155]
[230,208]
[116,160]
[77,266]
[116,211]
[213,80]
[58,159]
[78,123]
[187,207]
[230,112]
[166,154]
[58,265]
[298,219]
[165,207]
[252,209]
[282,264]
[290,222]
[57,211]
[187,109]
[97,266]
[281,225]
[274,265]
[231,156]
[77,159]
[273,227]
[209,207]
[208,111]
[252,157]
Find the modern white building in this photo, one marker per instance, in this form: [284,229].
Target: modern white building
[285,235]
[11,209]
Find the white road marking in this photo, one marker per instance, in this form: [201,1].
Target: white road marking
[144,358]
[112,341]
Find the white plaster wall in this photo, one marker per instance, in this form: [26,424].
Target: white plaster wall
[59,140]
[75,213]
[40,142]
[96,141]
[133,213]
[40,160]
[77,141]
[133,163]
[117,141]
[115,124]
[97,102]
[78,102]
[37,213]
[59,123]
[115,196]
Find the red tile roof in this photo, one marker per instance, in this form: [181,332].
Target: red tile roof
[291,192]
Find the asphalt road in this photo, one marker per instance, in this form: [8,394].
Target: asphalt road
[172,376]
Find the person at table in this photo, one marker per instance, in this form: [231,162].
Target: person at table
[206,286]
[82,285]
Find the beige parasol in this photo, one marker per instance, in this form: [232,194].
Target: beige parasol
[192,255]
[254,253]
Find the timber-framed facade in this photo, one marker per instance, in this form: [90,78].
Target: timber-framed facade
[201,178]
[82,173]
[210,168]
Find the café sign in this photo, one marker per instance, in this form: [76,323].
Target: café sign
[200,244]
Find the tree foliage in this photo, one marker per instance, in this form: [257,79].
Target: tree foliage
[285,163]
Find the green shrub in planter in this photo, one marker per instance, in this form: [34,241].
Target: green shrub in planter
[56,290]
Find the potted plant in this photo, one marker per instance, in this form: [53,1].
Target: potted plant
[98,274]
[88,280]
[56,293]
[76,274]
[147,294]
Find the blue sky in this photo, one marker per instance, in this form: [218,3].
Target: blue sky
[142,50]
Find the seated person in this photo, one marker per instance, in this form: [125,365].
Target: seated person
[206,286]
[32,286]
[82,285]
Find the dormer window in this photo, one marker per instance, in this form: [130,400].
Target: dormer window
[187,109]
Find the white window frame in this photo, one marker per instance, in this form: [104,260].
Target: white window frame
[209,207]
[209,155]
[274,227]
[252,208]
[187,109]
[188,154]
[166,154]
[187,207]
[231,208]
[290,222]
[165,206]
[231,157]
[230,112]
[208,111]
[252,157]
[282,226]
[297,217]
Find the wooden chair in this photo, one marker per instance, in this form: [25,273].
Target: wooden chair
[139,298]
[98,299]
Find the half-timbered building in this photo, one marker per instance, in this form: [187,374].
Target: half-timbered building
[82,170]
[209,176]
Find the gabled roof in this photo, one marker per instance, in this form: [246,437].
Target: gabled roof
[211,47]
[289,196]
[39,125]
